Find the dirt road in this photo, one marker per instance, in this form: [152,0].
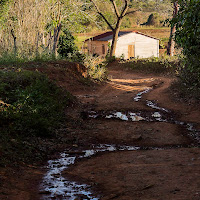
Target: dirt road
[132,141]
[168,164]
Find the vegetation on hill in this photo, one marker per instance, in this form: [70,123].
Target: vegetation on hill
[31,107]
[163,65]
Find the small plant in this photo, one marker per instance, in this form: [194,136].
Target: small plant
[96,68]
[68,49]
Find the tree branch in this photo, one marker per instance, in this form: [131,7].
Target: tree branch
[115,8]
[125,9]
[133,11]
[101,14]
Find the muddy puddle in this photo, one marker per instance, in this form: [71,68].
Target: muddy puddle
[55,186]
[159,115]
[128,115]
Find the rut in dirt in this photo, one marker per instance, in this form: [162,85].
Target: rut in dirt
[55,186]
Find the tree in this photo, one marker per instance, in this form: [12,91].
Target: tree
[171,43]
[120,13]
[31,27]
[67,44]
[187,37]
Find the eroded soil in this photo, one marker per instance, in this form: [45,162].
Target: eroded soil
[167,166]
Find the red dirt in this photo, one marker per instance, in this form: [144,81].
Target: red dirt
[165,174]
[129,175]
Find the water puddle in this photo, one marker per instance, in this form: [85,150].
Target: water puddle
[128,115]
[55,186]
[160,115]
[139,95]
[153,105]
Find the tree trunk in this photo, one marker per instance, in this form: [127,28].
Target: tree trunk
[37,43]
[57,31]
[115,37]
[15,41]
[119,17]
[171,43]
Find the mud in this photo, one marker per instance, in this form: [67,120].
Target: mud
[56,185]
[161,164]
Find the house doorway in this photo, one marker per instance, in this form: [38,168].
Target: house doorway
[131,51]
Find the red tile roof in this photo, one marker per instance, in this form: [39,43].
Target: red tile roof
[106,34]
[100,36]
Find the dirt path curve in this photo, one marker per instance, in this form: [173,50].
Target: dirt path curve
[170,173]
[142,144]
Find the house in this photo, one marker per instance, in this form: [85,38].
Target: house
[130,44]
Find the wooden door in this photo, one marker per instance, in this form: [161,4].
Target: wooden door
[131,51]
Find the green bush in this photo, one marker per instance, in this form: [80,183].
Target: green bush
[187,37]
[67,47]
[154,65]
[153,20]
[30,104]
[9,58]
[96,68]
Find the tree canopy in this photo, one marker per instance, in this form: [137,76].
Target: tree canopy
[187,36]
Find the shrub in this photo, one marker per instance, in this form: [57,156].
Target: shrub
[96,68]
[9,58]
[187,37]
[67,47]
[30,103]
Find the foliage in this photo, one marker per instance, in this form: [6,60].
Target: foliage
[67,47]
[161,8]
[164,64]
[33,27]
[187,37]
[96,68]
[30,103]
[66,44]
[153,20]
[10,58]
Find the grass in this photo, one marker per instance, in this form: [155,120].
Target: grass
[185,93]
[31,108]
[10,59]
[160,65]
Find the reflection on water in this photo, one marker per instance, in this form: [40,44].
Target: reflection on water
[55,186]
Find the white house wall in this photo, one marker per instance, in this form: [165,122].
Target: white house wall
[144,46]
[122,44]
